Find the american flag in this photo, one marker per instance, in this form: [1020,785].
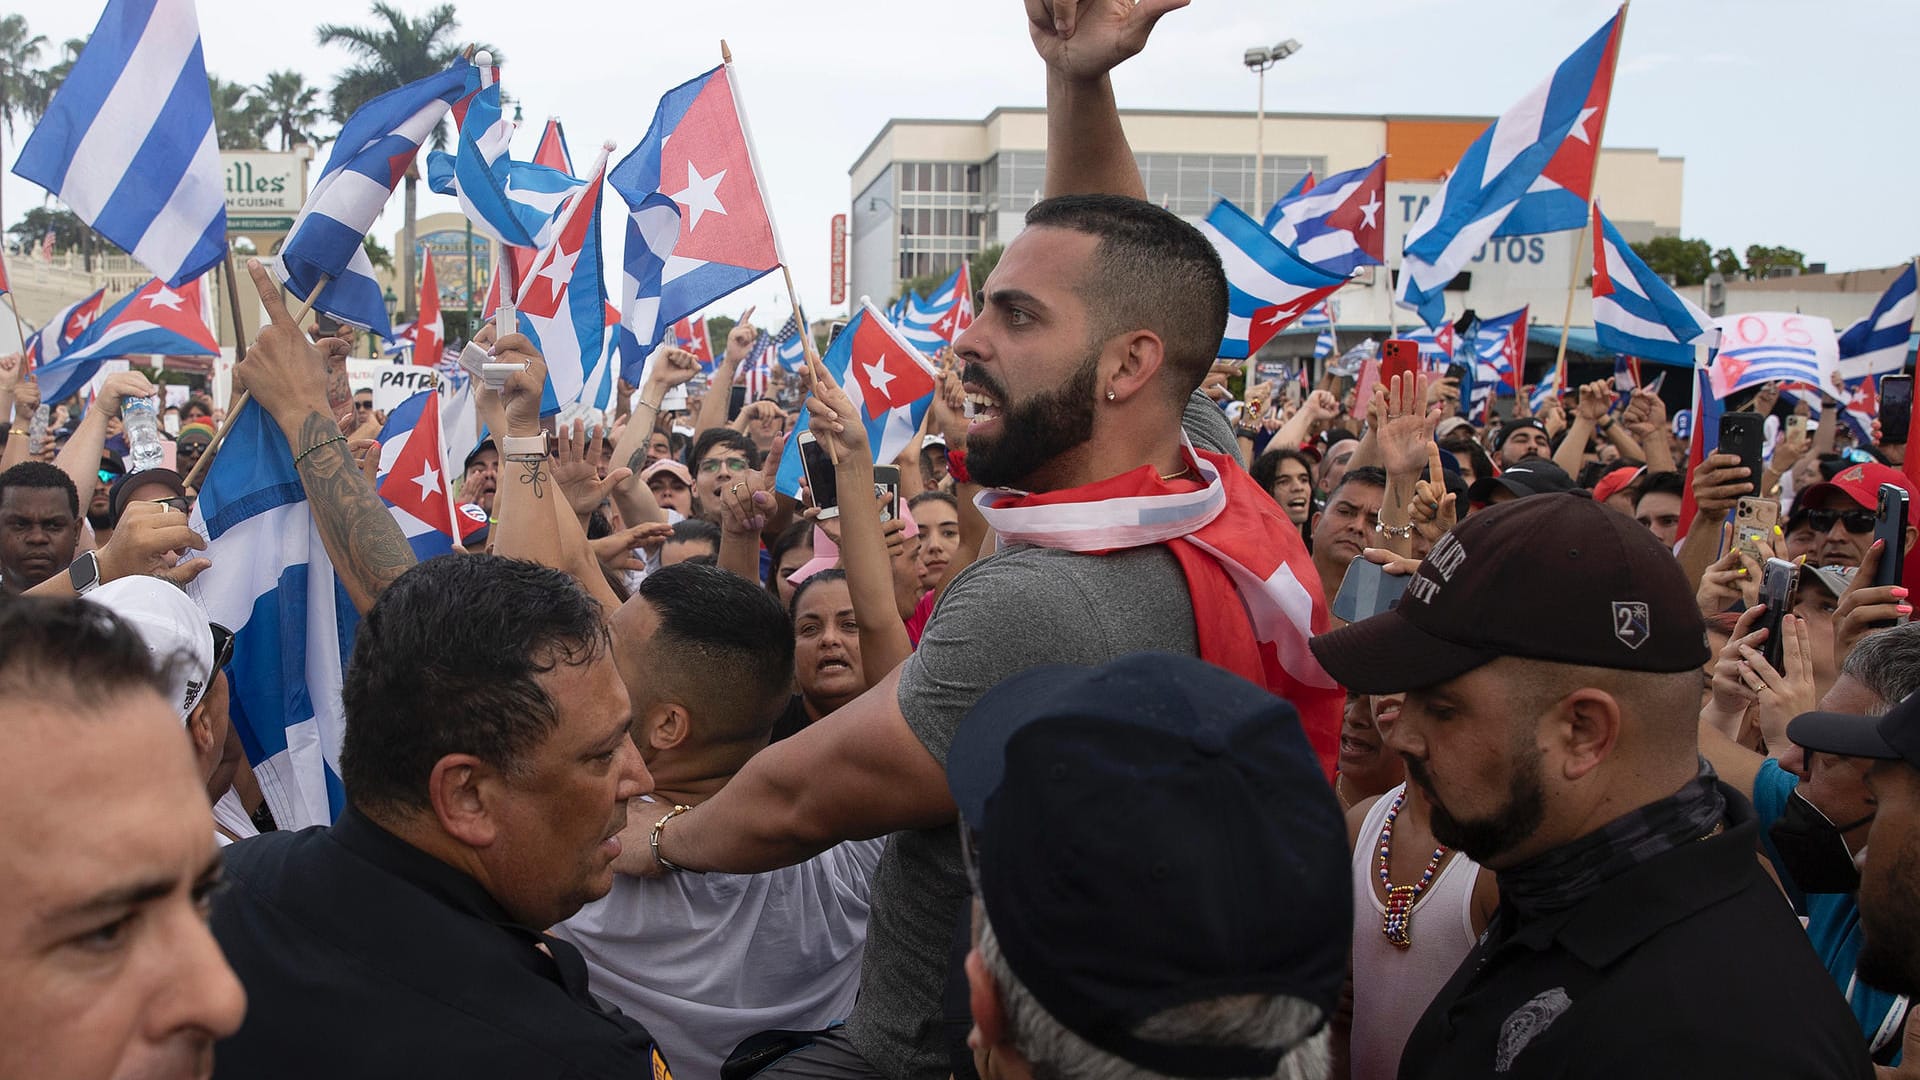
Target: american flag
[756,372]
[46,246]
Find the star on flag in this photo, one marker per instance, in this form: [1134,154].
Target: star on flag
[701,195]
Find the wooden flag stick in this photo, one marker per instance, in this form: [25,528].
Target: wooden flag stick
[200,467]
[1580,238]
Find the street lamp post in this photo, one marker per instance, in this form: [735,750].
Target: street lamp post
[1258,59]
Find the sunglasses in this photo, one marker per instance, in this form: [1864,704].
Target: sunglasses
[732,464]
[108,476]
[1856,521]
[222,645]
[364,406]
[191,449]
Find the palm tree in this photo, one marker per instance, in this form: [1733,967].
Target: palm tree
[237,115]
[289,108]
[396,50]
[54,75]
[20,85]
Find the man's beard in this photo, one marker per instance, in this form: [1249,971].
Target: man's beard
[1490,837]
[1035,431]
[1890,949]
[102,520]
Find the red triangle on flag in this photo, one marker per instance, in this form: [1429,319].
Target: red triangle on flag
[178,310]
[417,481]
[706,169]
[428,336]
[1270,320]
[1364,212]
[1572,164]
[888,375]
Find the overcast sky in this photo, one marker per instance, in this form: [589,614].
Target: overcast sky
[1794,118]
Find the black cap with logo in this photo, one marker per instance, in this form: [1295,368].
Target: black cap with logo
[1893,737]
[1150,834]
[1530,476]
[1555,577]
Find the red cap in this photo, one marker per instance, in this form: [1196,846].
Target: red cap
[1861,483]
[1614,482]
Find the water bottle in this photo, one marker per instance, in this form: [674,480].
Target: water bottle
[37,430]
[142,433]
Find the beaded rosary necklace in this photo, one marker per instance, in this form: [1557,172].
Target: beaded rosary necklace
[1397,923]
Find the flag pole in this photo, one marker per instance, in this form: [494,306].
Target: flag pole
[193,478]
[814,369]
[1593,179]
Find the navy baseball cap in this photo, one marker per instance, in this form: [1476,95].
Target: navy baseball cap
[1150,834]
[1555,577]
[1893,737]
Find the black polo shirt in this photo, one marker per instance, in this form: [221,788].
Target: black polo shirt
[364,956]
[1689,965]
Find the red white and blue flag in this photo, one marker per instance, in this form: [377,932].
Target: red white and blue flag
[552,151]
[889,381]
[1500,348]
[427,334]
[699,226]
[415,474]
[1531,172]
[563,300]
[1635,311]
[1300,187]
[151,319]
[690,334]
[51,341]
[1340,225]
[1269,285]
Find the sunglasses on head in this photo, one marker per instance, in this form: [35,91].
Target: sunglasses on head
[222,645]
[1856,521]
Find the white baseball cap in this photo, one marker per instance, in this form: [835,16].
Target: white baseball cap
[171,625]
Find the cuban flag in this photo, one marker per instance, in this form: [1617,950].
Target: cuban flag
[1531,172]
[1324,345]
[415,477]
[920,323]
[1350,363]
[1757,348]
[370,156]
[293,625]
[128,141]
[1268,284]
[552,151]
[790,345]
[154,318]
[513,202]
[1500,351]
[603,381]
[1300,187]
[1634,311]
[1545,393]
[1319,315]
[699,226]
[888,380]
[690,334]
[1338,226]
[1877,344]
[46,344]
[1436,344]
[563,300]
[956,294]
[1704,435]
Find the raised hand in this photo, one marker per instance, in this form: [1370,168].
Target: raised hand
[284,371]
[12,366]
[520,396]
[670,367]
[748,501]
[1085,39]
[833,415]
[1595,399]
[576,468]
[120,386]
[1718,482]
[149,540]
[615,550]
[1865,605]
[1408,431]
[741,338]
[1433,510]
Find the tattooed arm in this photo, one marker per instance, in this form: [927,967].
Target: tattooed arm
[671,367]
[287,375]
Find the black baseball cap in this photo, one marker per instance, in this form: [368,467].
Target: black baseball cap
[1532,476]
[1893,737]
[1511,426]
[1556,577]
[167,478]
[1150,834]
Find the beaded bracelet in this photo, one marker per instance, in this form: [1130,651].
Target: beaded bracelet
[318,445]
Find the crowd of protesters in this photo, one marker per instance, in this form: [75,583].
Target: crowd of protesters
[1053,763]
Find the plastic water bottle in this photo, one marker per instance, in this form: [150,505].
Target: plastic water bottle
[143,434]
[37,430]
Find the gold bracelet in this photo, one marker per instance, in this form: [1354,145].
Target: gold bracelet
[653,840]
[18,431]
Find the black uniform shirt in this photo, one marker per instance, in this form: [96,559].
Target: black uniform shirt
[1688,965]
[364,956]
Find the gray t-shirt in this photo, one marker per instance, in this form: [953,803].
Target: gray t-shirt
[1021,607]
[1207,426]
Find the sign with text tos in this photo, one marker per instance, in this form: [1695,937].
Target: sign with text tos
[391,383]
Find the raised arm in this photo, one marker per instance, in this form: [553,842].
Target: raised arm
[25,398]
[713,407]
[1081,42]
[80,458]
[287,375]
[670,367]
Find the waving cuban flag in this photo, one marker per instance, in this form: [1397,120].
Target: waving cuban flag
[699,226]
[373,151]
[1268,284]
[1338,225]
[888,379]
[151,319]
[46,344]
[1634,311]
[1531,172]
[563,300]
[1877,344]
[514,202]
[921,322]
[1500,351]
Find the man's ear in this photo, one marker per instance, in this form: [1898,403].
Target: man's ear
[664,726]
[200,727]
[461,787]
[1586,726]
[1136,358]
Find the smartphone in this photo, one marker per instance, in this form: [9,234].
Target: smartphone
[820,476]
[1890,526]
[1754,517]
[1796,425]
[1743,433]
[1896,408]
[1368,590]
[833,330]
[736,400]
[1458,373]
[1397,357]
[886,485]
[329,326]
[1776,591]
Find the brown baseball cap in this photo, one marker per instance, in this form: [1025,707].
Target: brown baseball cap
[1554,577]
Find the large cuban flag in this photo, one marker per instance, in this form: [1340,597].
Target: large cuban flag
[1877,344]
[1338,225]
[514,202]
[563,301]
[699,226]
[888,379]
[1268,284]
[272,585]
[415,479]
[1635,312]
[373,151]
[1531,172]
[152,319]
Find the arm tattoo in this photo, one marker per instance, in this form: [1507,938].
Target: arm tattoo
[535,476]
[638,460]
[366,545]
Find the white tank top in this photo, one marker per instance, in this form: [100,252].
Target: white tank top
[1392,987]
